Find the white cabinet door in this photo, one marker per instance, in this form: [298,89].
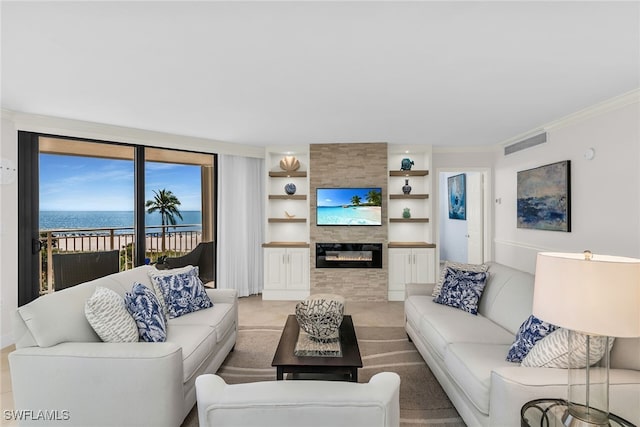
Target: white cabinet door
[275,268]
[297,268]
[407,266]
[286,272]
[423,265]
[399,272]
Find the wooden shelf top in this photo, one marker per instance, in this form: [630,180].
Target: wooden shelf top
[287,220]
[408,219]
[283,174]
[288,197]
[408,196]
[412,172]
[401,245]
[285,245]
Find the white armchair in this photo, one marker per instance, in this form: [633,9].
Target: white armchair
[299,402]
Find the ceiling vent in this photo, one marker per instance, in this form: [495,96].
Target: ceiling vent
[526,143]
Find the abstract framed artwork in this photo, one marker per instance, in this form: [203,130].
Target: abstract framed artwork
[457,196]
[544,197]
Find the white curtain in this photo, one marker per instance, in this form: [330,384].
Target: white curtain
[240,224]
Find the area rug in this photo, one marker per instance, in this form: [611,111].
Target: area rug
[422,400]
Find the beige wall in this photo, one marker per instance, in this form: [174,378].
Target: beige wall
[349,165]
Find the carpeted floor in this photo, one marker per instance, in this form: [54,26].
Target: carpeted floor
[422,400]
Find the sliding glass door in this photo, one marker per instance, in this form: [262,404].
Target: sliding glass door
[81,196]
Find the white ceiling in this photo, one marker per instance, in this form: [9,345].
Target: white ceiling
[263,73]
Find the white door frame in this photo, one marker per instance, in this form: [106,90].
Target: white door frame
[488,209]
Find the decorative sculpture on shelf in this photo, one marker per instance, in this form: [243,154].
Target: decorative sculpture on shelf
[406,164]
[289,164]
[290,188]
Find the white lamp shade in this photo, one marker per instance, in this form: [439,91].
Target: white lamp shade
[600,296]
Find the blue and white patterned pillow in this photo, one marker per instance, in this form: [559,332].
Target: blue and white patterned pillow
[183,292]
[145,308]
[531,331]
[462,289]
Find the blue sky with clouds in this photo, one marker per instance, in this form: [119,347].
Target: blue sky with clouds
[74,183]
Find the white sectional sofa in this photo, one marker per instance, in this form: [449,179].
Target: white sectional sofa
[467,353]
[300,403]
[60,364]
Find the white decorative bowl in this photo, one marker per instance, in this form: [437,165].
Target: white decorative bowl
[321,315]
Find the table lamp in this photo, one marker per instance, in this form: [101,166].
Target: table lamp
[596,295]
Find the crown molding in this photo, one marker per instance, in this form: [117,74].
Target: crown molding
[611,104]
[105,132]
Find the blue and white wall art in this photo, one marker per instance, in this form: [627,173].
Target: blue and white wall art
[544,197]
[457,196]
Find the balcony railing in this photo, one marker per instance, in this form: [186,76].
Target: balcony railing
[178,240]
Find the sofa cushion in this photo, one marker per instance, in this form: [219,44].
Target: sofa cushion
[108,316]
[183,292]
[462,289]
[449,325]
[145,308]
[552,351]
[220,317]
[531,331]
[470,364]
[508,296]
[197,342]
[478,268]
[59,317]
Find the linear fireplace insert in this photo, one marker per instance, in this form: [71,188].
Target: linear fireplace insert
[348,255]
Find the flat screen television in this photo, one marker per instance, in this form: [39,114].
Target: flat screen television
[349,206]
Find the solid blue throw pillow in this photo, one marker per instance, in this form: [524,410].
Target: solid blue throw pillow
[145,309]
[531,331]
[182,292]
[462,289]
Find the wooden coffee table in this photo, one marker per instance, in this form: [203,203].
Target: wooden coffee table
[346,367]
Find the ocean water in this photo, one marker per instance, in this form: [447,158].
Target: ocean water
[63,220]
[352,215]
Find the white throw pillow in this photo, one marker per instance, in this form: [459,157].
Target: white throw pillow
[108,316]
[553,351]
[474,268]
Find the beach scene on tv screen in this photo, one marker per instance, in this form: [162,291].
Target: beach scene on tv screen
[349,206]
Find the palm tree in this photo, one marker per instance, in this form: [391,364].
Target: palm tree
[167,204]
[356,200]
[374,198]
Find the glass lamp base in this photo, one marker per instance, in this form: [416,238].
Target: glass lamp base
[582,416]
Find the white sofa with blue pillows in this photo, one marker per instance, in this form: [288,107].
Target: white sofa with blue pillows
[467,353]
[64,373]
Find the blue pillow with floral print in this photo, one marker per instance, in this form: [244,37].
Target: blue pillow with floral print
[462,289]
[183,292]
[145,309]
[531,331]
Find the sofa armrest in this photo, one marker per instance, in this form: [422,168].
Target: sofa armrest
[229,296]
[101,383]
[418,289]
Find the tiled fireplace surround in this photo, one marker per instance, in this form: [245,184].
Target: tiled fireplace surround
[349,165]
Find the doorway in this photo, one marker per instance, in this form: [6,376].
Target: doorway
[464,239]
